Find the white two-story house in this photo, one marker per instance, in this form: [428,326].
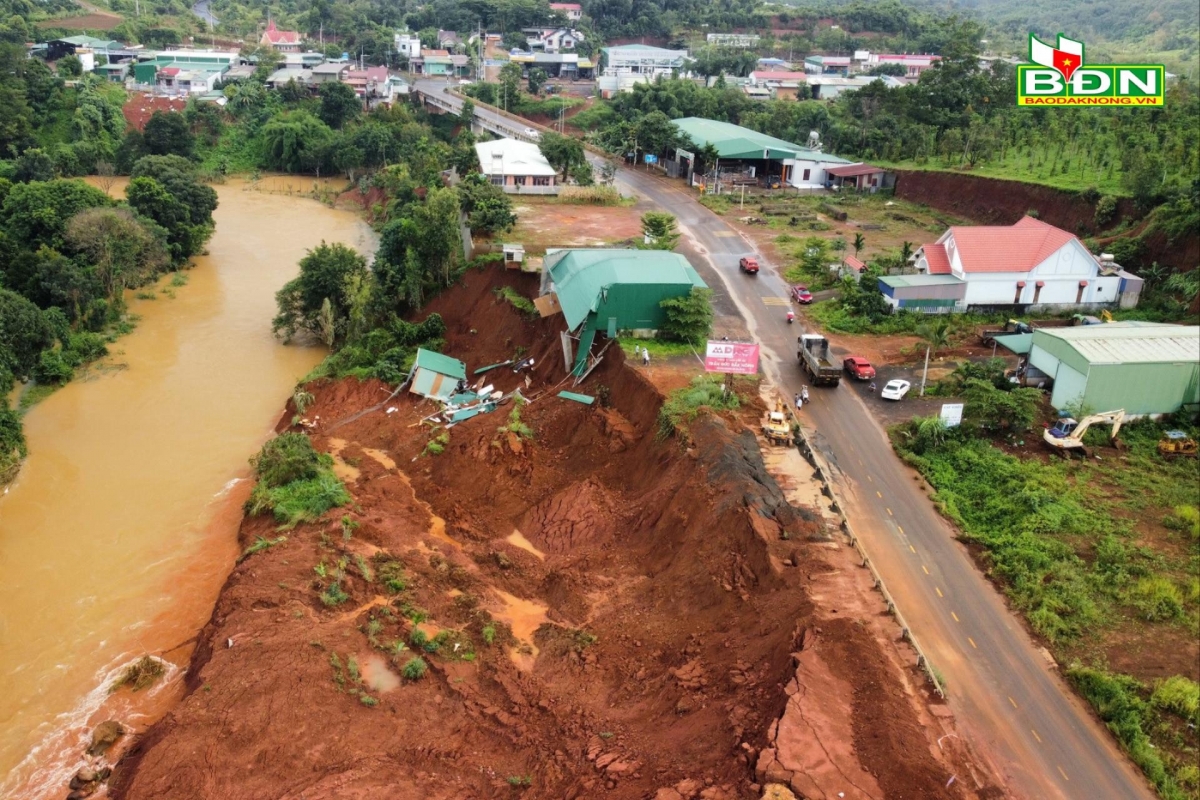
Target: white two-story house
[1029,264]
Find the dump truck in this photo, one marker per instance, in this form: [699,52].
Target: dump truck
[812,352]
[775,426]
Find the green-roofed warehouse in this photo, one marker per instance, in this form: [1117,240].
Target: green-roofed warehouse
[612,290]
[1141,367]
[798,166]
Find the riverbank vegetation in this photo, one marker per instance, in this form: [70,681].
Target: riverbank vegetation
[1098,555]
[295,483]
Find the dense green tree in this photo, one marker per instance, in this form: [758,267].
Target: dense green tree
[563,152]
[34,164]
[537,79]
[296,142]
[121,249]
[69,66]
[489,210]
[320,300]
[35,214]
[510,84]
[688,318]
[170,193]
[659,231]
[339,104]
[24,333]
[166,133]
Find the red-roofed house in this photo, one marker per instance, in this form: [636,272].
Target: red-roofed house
[861,177]
[283,41]
[1025,264]
[572,11]
[776,76]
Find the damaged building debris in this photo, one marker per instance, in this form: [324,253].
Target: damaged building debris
[609,291]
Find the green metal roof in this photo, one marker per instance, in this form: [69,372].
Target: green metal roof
[92,42]
[1018,343]
[734,141]
[1129,342]
[903,281]
[582,276]
[444,365]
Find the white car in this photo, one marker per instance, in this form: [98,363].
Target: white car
[532,134]
[895,390]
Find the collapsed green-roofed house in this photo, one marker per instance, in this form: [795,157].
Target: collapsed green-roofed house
[609,291]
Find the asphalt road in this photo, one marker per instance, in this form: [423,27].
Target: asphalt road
[1003,689]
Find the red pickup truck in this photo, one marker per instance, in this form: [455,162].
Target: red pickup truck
[859,367]
[749,265]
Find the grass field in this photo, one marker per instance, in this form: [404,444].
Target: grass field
[1037,166]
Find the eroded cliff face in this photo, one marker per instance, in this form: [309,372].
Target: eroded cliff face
[600,612]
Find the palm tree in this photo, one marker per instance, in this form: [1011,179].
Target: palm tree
[936,335]
[859,243]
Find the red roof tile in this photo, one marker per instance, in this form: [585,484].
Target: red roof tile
[854,170]
[854,263]
[939,263]
[276,36]
[777,75]
[1013,248]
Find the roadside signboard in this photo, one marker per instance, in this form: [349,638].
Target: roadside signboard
[651,158]
[731,358]
[952,414]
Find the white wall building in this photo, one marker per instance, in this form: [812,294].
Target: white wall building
[1029,264]
[516,167]
[408,45]
[641,59]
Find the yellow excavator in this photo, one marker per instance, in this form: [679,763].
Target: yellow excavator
[775,426]
[1066,436]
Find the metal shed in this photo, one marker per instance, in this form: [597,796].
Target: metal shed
[1143,367]
[612,290]
[936,293]
[436,376]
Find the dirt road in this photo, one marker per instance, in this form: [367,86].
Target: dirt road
[1002,686]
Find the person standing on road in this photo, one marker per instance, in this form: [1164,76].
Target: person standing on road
[645,356]
[872,386]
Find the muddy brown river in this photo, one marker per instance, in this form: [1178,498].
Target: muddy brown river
[121,528]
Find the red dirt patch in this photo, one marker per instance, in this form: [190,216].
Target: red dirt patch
[644,624]
[558,225]
[98,22]
[140,107]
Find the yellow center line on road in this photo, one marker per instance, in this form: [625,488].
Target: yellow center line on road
[1035,735]
[956,619]
[872,480]
[890,514]
[910,547]
[902,533]
[1014,702]
[925,568]
[939,591]
[879,494]
[1060,772]
[972,641]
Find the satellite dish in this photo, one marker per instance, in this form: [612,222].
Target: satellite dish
[814,140]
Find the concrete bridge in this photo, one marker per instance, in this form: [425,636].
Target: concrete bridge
[437,94]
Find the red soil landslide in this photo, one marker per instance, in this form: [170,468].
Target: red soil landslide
[650,631]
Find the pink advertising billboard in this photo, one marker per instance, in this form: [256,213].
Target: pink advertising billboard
[737,358]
